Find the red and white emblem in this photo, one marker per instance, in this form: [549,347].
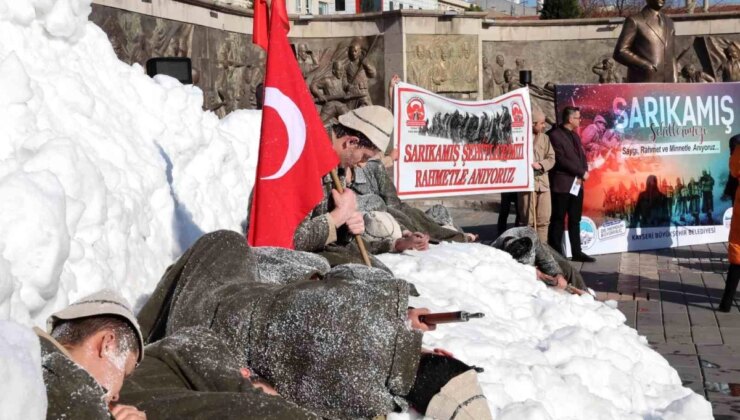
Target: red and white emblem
[415,113]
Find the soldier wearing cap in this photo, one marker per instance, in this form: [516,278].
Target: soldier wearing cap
[358,136]
[91,346]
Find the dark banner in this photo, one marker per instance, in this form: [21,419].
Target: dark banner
[658,162]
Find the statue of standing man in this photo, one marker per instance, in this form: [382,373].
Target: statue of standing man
[646,46]
[357,72]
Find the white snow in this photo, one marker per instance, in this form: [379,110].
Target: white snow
[547,355]
[22,392]
[106,176]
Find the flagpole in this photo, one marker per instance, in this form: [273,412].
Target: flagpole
[358,238]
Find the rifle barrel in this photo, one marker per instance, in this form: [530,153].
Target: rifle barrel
[449,317]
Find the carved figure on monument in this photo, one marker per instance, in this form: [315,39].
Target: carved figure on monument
[646,46]
[440,73]
[607,71]
[730,69]
[306,60]
[509,82]
[419,71]
[521,64]
[498,74]
[116,36]
[356,74]
[471,74]
[489,84]
[228,84]
[330,92]
[141,50]
[690,74]
[252,77]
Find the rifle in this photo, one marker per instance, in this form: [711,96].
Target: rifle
[449,317]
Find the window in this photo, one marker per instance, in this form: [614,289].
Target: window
[339,5]
[323,8]
[298,7]
[390,5]
[400,6]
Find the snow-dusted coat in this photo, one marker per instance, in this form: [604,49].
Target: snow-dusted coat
[339,346]
[71,392]
[193,374]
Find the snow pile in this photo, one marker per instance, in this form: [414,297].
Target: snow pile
[22,392]
[105,174]
[546,355]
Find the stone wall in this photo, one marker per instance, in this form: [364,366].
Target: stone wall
[462,56]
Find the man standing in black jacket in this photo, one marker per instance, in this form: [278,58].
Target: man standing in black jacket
[566,184]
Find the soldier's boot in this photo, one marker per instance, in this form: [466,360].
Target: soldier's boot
[733,276]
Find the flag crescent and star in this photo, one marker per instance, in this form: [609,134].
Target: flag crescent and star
[294,124]
[288,185]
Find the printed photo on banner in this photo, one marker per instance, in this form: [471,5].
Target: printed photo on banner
[449,147]
[658,161]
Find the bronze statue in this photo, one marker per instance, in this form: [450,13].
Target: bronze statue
[730,69]
[357,73]
[646,46]
[330,92]
[607,72]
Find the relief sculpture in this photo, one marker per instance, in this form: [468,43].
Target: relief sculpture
[443,63]
[226,65]
[343,75]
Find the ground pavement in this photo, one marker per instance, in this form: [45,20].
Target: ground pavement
[670,297]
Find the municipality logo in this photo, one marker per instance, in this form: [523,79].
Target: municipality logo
[727,218]
[517,116]
[588,233]
[415,112]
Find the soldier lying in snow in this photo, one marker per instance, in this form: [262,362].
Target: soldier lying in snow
[525,247]
[94,344]
[376,192]
[339,347]
[194,374]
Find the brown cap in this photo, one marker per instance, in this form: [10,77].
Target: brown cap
[374,121]
[104,302]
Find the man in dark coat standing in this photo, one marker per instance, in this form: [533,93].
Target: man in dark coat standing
[566,184]
[646,46]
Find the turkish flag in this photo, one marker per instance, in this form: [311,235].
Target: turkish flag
[295,150]
[259,24]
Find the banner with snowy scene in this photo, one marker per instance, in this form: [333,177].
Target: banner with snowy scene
[449,147]
[658,163]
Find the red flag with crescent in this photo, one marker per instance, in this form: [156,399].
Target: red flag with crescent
[295,150]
